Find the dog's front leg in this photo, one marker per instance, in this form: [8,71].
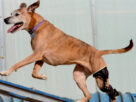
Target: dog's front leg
[36,69]
[30,59]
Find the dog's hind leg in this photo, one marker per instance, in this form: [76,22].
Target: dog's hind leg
[103,83]
[30,59]
[36,69]
[80,76]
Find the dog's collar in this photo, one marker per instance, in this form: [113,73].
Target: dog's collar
[32,32]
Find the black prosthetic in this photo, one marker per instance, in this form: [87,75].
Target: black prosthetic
[104,75]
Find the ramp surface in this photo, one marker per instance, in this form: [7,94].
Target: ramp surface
[28,94]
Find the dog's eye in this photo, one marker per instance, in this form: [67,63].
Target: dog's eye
[17,14]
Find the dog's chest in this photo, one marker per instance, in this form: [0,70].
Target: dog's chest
[53,59]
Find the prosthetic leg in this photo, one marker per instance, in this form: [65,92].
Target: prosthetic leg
[103,83]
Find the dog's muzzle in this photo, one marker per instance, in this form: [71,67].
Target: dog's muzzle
[6,20]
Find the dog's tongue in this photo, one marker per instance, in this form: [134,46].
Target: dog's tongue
[12,29]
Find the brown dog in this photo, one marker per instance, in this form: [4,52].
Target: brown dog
[54,47]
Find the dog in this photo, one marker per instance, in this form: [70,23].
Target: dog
[54,47]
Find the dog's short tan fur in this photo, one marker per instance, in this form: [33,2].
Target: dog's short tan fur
[54,47]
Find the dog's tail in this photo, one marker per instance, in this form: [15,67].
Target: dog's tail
[117,51]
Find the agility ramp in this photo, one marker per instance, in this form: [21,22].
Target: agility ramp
[25,94]
[10,92]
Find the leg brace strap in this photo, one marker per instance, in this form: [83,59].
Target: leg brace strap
[104,75]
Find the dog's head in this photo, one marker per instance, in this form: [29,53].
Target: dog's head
[21,17]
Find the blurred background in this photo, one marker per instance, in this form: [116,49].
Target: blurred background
[105,24]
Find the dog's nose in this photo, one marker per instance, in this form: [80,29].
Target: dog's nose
[6,20]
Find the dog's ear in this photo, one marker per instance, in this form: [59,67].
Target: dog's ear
[33,6]
[23,5]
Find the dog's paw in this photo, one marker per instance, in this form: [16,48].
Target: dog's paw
[4,73]
[78,101]
[43,77]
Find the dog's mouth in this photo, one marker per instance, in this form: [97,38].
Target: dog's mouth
[15,27]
